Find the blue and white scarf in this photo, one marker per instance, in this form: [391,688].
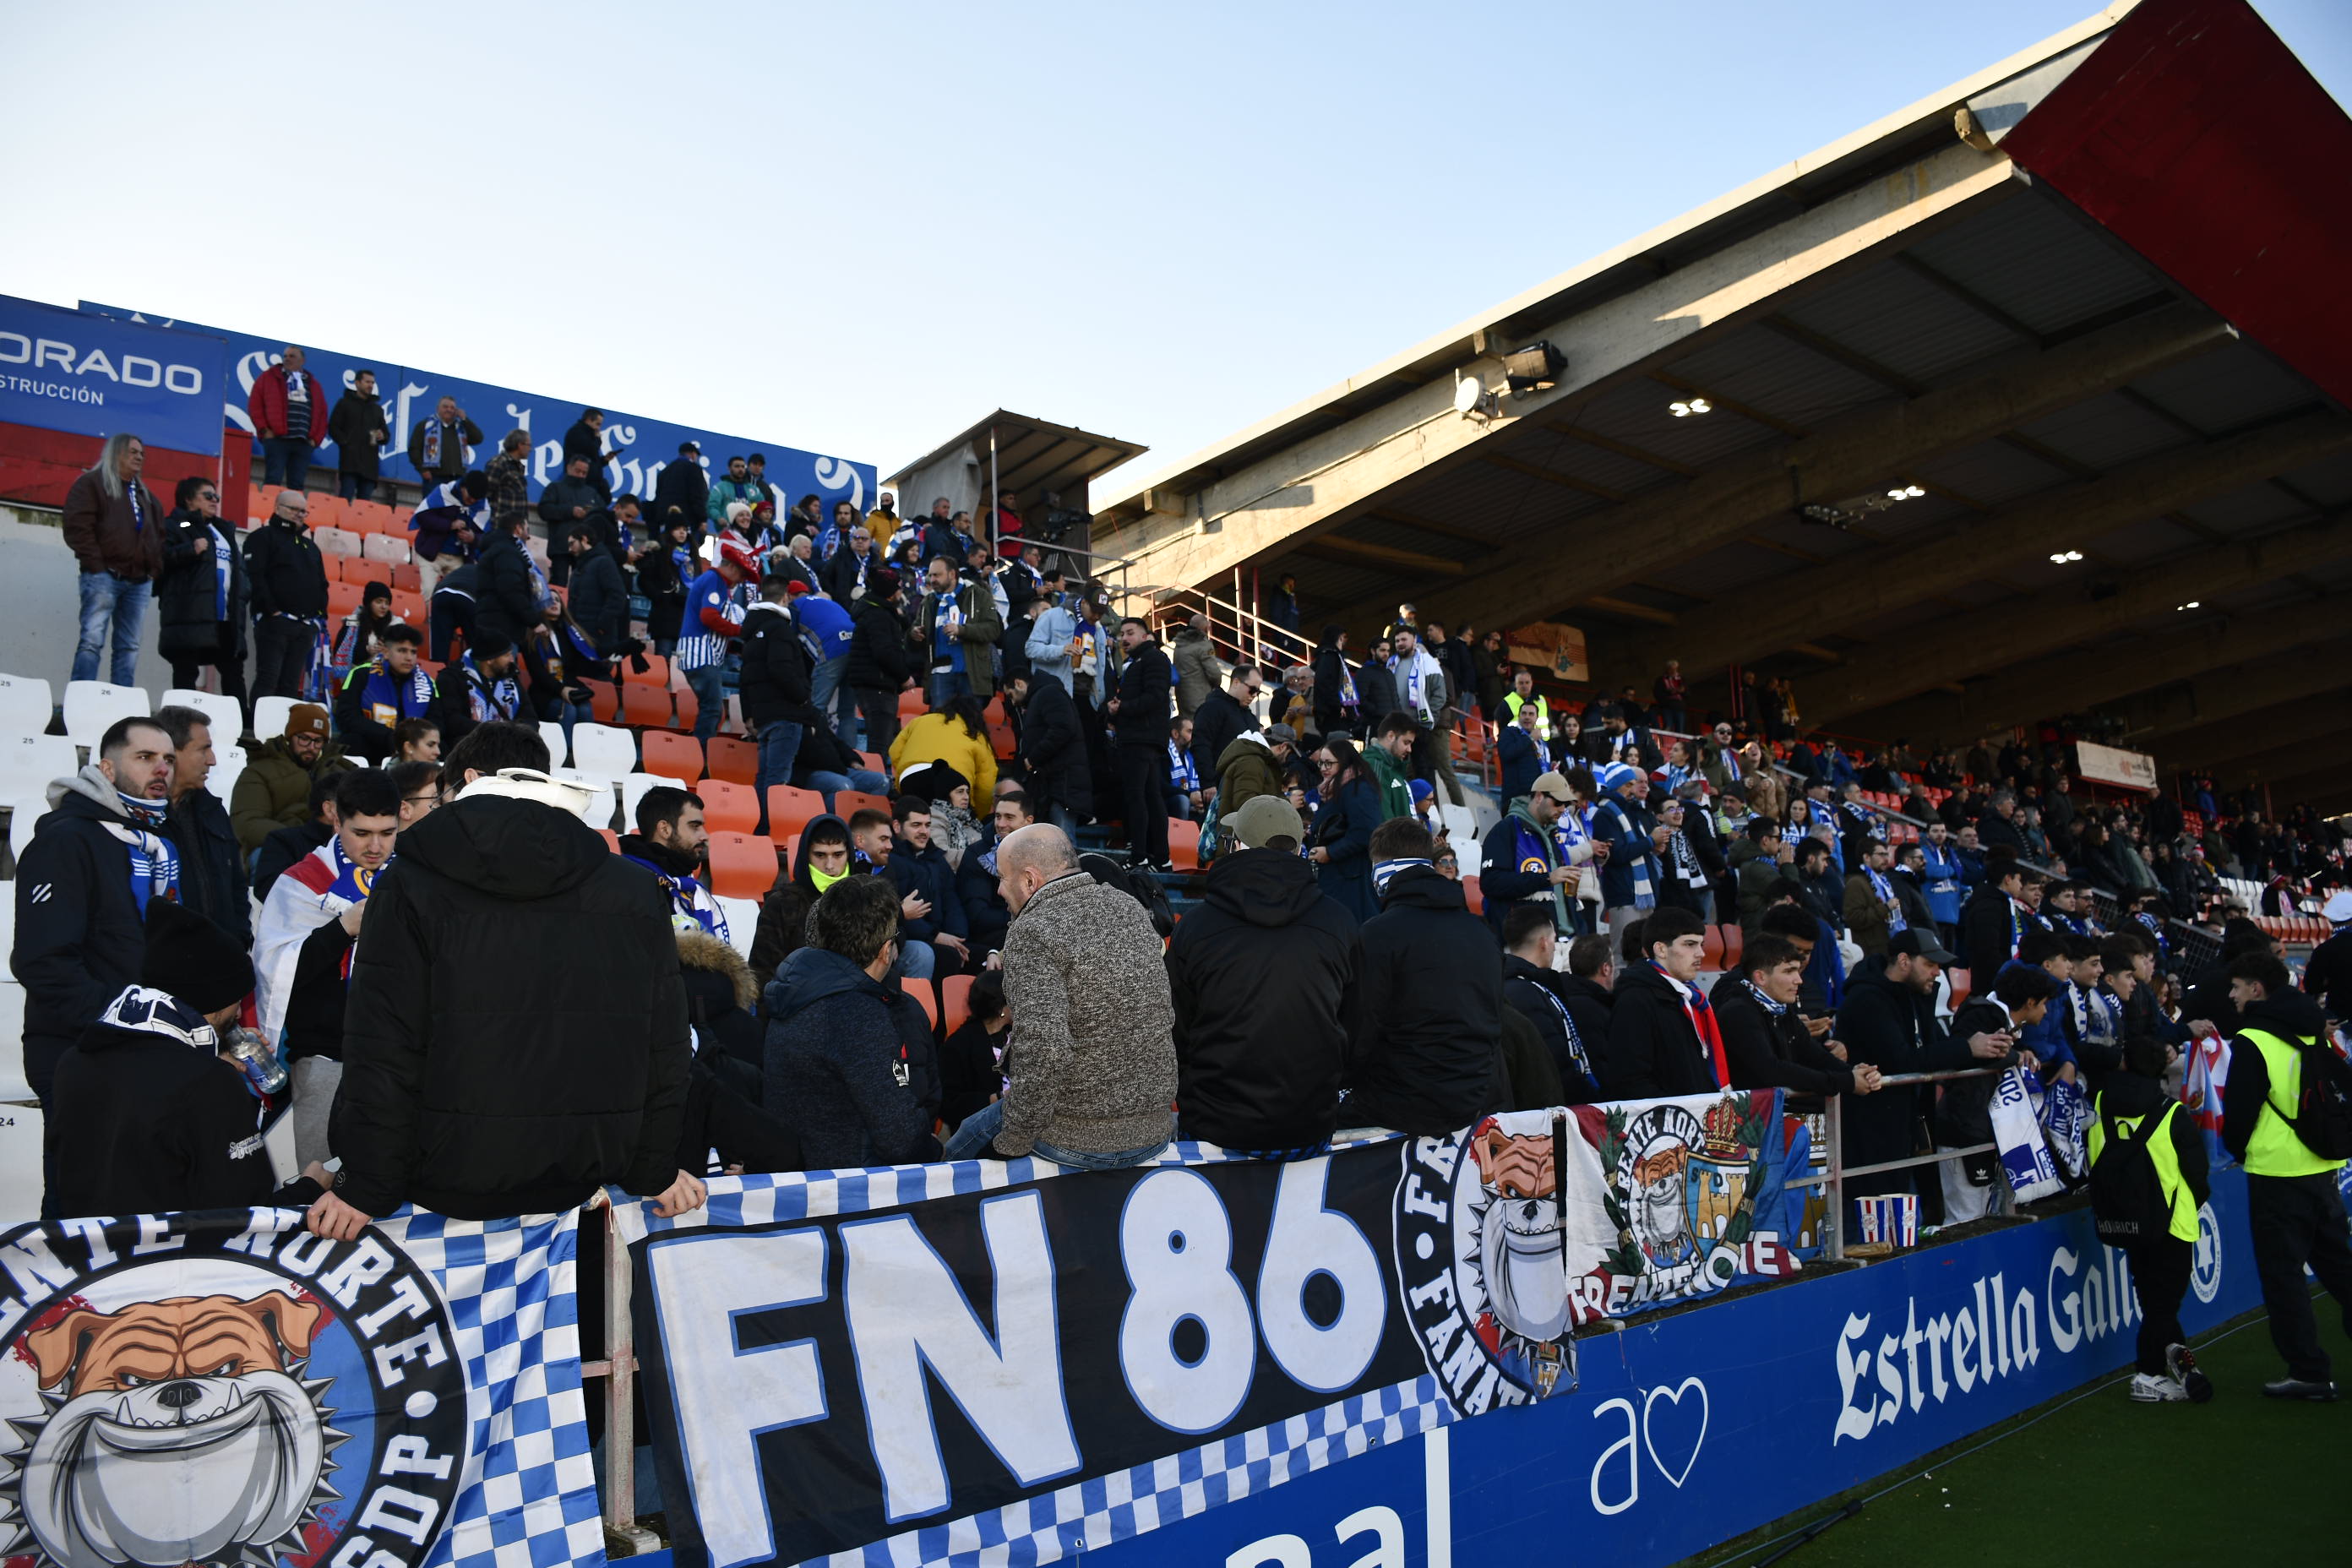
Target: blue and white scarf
[153,1012]
[691,905]
[1884,891]
[487,698]
[224,570]
[1575,1039]
[154,861]
[1636,863]
[1384,871]
[1183,774]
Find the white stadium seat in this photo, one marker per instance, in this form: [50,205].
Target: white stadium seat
[269,716]
[227,718]
[552,733]
[603,752]
[22,816]
[742,917]
[228,763]
[26,706]
[92,706]
[599,812]
[633,790]
[385,547]
[20,1150]
[30,763]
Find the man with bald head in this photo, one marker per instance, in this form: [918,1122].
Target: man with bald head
[1093,1075]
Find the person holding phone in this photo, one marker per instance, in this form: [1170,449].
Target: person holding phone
[2015,1002]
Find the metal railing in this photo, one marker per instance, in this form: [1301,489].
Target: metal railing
[623,1536]
[1834,1178]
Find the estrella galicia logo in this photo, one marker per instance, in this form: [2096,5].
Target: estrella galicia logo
[2205,1272]
[1479,1253]
[222,1389]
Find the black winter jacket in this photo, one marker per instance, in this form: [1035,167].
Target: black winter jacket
[1266,976]
[212,866]
[1054,749]
[925,873]
[837,1040]
[516,1033]
[187,598]
[287,573]
[358,429]
[685,488]
[79,932]
[504,602]
[1215,724]
[1984,933]
[880,659]
[986,917]
[1895,1029]
[1653,1050]
[1147,699]
[1767,1052]
[146,1124]
[1539,996]
[599,602]
[775,681]
[1376,686]
[1430,1039]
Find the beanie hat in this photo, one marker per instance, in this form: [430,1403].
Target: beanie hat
[1616,775]
[193,959]
[306,718]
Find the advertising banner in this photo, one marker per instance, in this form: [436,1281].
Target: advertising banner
[1548,645]
[87,375]
[2108,765]
[916,1364]
[226,1388]
[639,447]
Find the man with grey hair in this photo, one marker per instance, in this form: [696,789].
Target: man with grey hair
[1091,1074]
[115,530]
[436,446]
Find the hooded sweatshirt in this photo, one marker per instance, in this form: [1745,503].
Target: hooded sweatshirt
[515,1034]
[783,913]
[1264,976]
[849,1065]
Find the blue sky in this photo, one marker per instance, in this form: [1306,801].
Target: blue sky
[856,229]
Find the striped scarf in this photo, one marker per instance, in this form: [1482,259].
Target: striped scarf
[154,861]
[1576,1050]
[692,906]
[1884,892]
[1701,1013]
[1384,871]
[1638,857]
[1687,867]
[1183,774]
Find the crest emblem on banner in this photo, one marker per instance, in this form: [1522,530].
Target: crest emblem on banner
[168,1405]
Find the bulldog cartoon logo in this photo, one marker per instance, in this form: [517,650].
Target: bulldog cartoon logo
[180,1396]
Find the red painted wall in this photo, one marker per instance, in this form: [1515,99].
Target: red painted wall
[2197,137]
[38,466]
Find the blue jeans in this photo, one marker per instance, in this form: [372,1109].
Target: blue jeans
[946,685]
[710,685]
[829,784]
[980,1128]
[570,714]
[106,597]
[833,697]
[286,461]
[355,487]
[916,960]
[780,743]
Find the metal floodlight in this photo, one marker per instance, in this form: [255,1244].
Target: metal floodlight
[1533,368]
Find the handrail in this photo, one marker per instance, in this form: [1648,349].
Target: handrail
[1833,1246]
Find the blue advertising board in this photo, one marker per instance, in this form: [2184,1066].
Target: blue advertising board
[639,447]
[89,375]
[1690,1428]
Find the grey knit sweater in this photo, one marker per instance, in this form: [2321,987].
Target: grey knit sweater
[1093,1061]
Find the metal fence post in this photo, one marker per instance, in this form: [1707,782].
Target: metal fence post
[1834,1131]
[620,1526]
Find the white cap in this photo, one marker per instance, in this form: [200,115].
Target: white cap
[2338,906]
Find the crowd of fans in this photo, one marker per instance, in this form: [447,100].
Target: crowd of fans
[1347,963]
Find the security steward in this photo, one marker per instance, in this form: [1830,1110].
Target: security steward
[2293,1206]
[2147,1182]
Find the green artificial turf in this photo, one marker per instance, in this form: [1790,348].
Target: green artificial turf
[2100,1480]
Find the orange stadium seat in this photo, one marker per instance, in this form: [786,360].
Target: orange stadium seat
[790,810]
[737,762]
[728,807]
[672,755]
[742,865]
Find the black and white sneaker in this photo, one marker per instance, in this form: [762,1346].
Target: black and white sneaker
[2298,1388]
[2182,1365]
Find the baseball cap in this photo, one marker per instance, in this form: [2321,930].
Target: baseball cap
[306,718]
[1264,818]
[1555,784]
[1916,943]
[686,447]
[1281,735]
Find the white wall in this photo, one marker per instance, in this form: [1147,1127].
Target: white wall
[40,606]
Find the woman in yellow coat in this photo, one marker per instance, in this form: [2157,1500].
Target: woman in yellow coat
[956,735]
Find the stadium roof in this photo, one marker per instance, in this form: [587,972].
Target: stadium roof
[2085,304]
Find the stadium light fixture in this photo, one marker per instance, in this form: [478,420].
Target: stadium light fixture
[1684,410]
[2190,605]
[2063,557]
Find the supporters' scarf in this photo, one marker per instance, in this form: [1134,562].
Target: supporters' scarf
[1348,700]
[2156,929]
[1687,867]
[2017,918]
[224,571]
[1701,1014]
[691,905]
[1414,673]
[1383,871]
[315,890]
[154,861]
[485,699]
[1183,774]
[150,1012]
[1775,1008]
[433,431]
[2103,1016]
[1637,862]
[1884,891]
[1575,1038]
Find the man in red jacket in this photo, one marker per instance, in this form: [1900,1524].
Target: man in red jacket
[288,409]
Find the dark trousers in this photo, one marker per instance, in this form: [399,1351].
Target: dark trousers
[282,647]
[286,460]
[452,613]
[186,673]
[2160,1275]
[2299,1220]
[356,487]
[1142,778]
[880,710]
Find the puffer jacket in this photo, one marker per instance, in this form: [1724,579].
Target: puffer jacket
[1197,675]
[274,790]
[516,1034]
[1093,1060]
[937,737]
[1245,770]
[1428,1056]
[188,600]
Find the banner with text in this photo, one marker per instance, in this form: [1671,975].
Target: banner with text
[917,1364]
[639,447]
[87,375]
[226,1388]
